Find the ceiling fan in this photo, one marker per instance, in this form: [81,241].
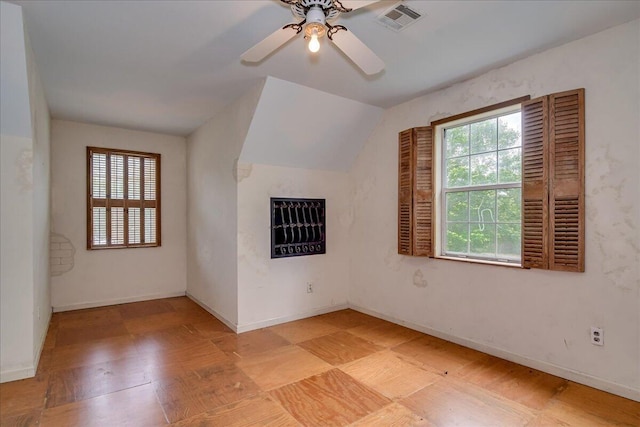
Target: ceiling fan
[314,15]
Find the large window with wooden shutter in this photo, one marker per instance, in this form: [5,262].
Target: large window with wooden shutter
[505,184]
[123,198]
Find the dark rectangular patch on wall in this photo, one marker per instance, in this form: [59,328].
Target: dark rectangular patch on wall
[297,227]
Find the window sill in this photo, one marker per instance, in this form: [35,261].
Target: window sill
[479,261]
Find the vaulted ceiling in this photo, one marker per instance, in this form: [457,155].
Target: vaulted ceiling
[167,66]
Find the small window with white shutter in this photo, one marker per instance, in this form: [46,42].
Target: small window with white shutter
[123,199]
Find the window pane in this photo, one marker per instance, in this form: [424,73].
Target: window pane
[99,226]
[509,166]
[483,240]
[134,225]
[482,206]
[483,169]
[509,205]
[509,241]
[117,177]
[99,178]
[457,238]
[509,131]
[149,179]
[134,178]
[458,206]
[149,225]
[117,226]
[457,141]
[457,172]
[483,136]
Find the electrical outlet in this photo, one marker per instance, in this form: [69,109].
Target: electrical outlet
[309,287]
[597,336]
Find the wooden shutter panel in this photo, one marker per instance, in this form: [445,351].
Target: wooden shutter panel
[415,191]
[423,191]
[566,180]
[405,185]
[535,197]
[553,182]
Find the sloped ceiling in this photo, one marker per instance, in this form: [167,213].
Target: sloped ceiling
[296,126]
[168,66]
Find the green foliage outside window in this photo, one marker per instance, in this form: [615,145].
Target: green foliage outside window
[483,222]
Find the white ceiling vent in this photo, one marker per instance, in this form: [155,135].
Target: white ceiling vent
[399,17]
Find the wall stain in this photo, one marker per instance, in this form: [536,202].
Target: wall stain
[241,170]
[418,279]
[24,175]
[392,259]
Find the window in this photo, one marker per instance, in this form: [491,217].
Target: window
[123,199]
[502,184]
[480,193]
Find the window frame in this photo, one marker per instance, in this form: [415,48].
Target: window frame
[124,202]
[439,126]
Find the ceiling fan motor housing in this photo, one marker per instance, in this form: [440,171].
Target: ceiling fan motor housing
[302,8]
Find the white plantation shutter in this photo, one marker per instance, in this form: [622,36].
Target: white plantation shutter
[123,208]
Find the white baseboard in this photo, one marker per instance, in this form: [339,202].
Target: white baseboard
[105,303]
[214,313]
[278,320]
[17,374]
[29,371]
[550,368]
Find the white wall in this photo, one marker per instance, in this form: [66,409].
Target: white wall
[213,151]
[16,258]
[275,290]
[25,205]
[536,317]
[111,276]
[41,167]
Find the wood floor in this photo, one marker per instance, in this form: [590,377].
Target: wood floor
[169,362]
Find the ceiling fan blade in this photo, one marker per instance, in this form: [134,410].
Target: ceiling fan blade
[353,4]
[261,50]
[357,51]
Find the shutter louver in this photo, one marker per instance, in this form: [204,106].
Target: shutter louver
[534,183]
[566,186]
[415,192]
[405,185]
[553,182]
[423,191]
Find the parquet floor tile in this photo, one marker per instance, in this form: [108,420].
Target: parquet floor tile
[282,366]
[340,347]
[394,415]
[304,330]
[385,334]
[329,399]
[453,402]
[261,410]
[386,373]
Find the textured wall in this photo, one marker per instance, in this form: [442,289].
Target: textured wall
[213,152]
[275,290]
[539,317]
